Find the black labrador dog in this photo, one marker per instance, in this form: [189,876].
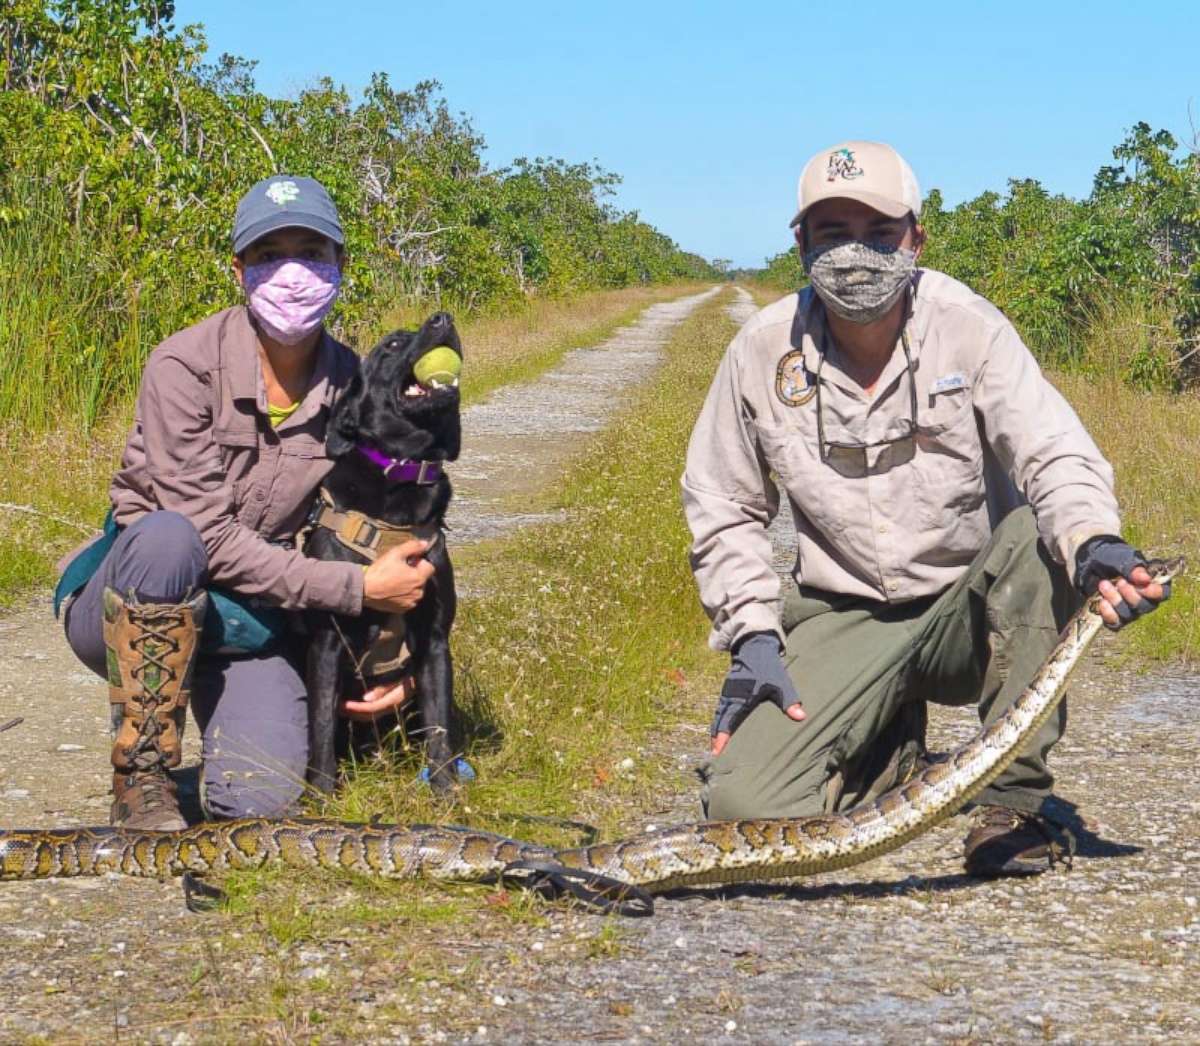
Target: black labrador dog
[389,436]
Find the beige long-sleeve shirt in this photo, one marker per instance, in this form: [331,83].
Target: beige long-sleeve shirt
[904,518]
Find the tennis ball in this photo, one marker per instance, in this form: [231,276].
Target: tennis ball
[442,365]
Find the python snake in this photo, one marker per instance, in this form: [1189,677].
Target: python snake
[715,852]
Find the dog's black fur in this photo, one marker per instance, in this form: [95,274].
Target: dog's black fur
[374,411]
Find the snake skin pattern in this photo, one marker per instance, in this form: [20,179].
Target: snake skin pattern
[683,855]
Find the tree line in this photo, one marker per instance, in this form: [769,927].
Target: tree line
[123,151]
[1060,268]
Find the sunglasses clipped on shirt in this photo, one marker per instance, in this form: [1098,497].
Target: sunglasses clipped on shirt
[853,458]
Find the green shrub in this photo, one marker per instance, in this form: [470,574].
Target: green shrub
[123,154]
[1053,264]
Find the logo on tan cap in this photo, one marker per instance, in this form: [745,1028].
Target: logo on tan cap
[869,172]
[842,165]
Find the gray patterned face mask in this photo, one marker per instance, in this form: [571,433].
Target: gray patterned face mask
[859,281]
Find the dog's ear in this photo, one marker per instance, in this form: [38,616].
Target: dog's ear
[342,435]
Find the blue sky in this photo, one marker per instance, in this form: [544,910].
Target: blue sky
[709,110]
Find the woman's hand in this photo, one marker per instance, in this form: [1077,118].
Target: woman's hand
[395,582]
[377,700]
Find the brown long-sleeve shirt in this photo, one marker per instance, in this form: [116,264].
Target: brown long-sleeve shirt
[904,518]
[202,446]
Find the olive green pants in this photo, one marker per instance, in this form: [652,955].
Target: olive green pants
[865,670]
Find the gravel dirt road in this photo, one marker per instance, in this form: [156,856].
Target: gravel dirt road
[903,949]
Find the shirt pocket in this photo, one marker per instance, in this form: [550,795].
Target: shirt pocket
[790,450]
[948,465]
[303,465]
[304,445]
[238,449]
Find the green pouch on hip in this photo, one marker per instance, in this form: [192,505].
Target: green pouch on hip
[233,624]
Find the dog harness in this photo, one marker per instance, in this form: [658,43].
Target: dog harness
[386,660]
[370,538]
[364,534]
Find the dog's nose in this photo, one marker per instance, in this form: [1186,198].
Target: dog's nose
[440,320]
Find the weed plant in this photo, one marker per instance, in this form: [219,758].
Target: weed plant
[72,322]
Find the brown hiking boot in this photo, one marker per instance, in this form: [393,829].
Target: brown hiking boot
[146,800]
[1011,842]
[151,648]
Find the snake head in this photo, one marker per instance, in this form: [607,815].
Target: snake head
[1165,570]
[1162,572]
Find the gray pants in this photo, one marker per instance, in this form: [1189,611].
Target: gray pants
[865,670]
[252,711]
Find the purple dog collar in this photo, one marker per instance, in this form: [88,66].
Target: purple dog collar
[403,470]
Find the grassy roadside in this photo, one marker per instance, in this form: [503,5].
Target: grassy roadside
[1152,440]
[518,344]
[587,644]
[589,627]
[65,473]
[763,293]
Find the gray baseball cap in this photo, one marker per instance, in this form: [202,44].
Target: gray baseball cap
[285,201]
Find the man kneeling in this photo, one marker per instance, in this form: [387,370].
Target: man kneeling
[950,513]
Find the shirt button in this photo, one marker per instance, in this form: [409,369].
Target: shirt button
[259,494]
[883,528]
[892,586]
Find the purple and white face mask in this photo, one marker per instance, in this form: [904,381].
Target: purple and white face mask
[291,296]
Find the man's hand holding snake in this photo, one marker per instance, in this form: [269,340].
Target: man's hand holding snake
[1118,573]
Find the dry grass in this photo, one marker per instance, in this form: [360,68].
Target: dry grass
[66,473]
[516,345]
[1152,440]
[763,293]
[59,475]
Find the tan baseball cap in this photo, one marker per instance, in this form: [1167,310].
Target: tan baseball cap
[870,172]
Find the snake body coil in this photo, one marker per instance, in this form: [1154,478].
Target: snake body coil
[683,855]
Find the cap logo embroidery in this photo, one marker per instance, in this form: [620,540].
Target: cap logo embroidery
[842,165]
[283,192]
[793,384]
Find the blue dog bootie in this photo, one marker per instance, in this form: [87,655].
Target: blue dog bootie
[463,770]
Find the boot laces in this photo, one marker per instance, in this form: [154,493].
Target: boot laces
[153,788]
[154,642]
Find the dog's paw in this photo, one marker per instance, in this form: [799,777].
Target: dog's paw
[461,769]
